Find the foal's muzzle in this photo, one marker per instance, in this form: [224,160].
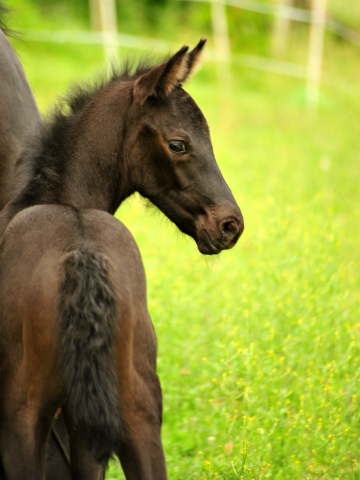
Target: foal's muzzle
[214,236]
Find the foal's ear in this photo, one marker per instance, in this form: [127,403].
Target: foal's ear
[160,80]
[194,59]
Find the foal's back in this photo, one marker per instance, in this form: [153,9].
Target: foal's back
[33,250]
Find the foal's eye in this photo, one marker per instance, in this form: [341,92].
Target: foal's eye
[177,147]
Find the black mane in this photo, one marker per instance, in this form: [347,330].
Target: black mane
[80,94]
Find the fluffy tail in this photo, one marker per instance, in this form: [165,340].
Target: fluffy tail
[87,328]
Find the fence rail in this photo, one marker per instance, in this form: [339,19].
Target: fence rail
[317,18]
[289,13]
[97,38]
[160,46]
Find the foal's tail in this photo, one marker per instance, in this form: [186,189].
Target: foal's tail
[87,328]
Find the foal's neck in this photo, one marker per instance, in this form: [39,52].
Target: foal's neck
[81,161]
[97,175]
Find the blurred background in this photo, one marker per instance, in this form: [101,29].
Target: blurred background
[258,348]
[285,37]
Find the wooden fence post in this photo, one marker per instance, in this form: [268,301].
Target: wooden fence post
[280,36]
[317,28]
[221,39]
[103,19]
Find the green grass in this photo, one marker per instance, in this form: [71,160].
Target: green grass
[258,348]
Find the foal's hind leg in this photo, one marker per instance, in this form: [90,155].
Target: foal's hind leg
[27,408]
[140,450]
[22,445]
[83,465]
[141,453]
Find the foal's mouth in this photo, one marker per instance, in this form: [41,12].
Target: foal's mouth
[213,250]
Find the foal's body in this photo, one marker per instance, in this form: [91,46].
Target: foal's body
[33,394]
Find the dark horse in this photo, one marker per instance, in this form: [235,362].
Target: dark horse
[19,115]
[19,120]
[75,331]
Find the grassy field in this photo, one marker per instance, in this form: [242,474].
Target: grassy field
[259,347]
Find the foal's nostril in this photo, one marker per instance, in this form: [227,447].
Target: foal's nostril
[230,229]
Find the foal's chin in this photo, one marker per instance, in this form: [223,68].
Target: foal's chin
[208,245]
[206,250]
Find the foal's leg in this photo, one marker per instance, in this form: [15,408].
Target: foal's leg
[28,402]
[57,451]
[140,450]
[22,445]
[83,465]
[141,453]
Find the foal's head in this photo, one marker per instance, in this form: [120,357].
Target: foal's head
[175,164]
[139,132]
